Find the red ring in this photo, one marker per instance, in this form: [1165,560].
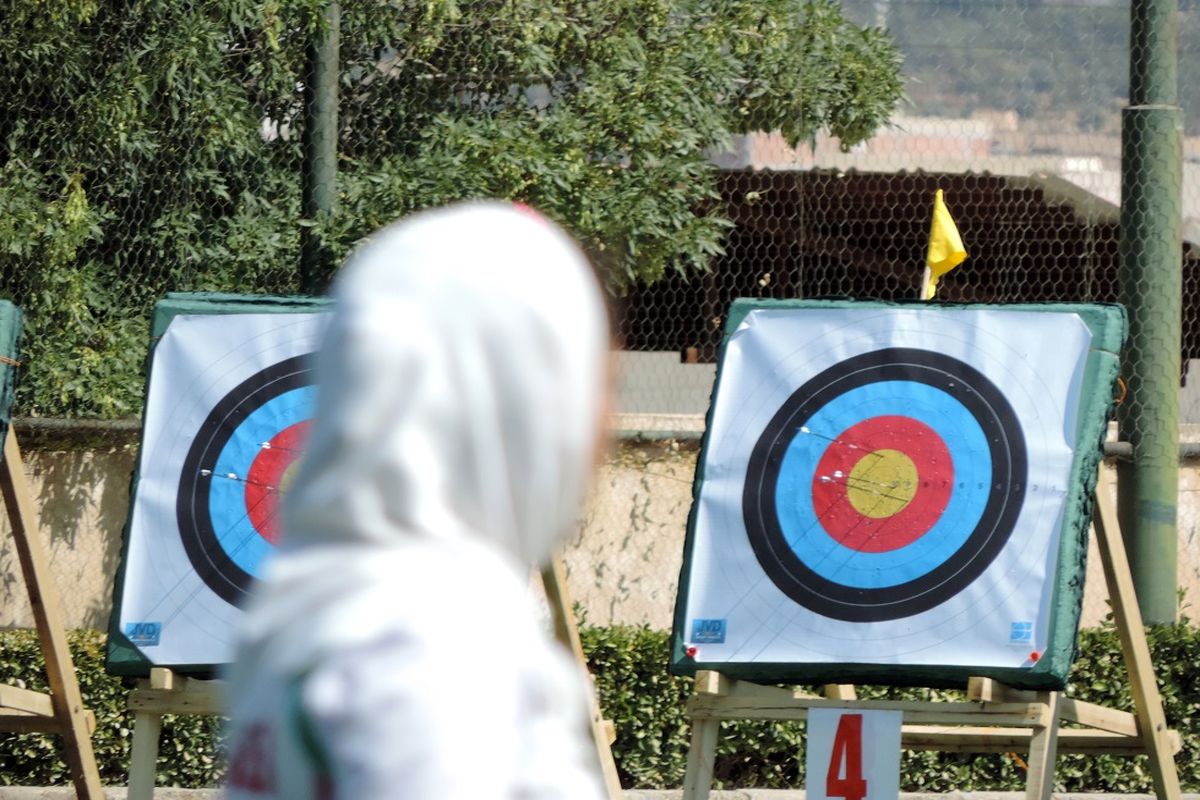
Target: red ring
[935,474]
[266,474]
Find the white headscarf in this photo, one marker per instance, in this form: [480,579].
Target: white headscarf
[459,396]
[460,384]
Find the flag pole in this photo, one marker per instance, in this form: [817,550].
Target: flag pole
[923,292]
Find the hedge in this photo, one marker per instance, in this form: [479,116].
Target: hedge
[188,750]
[652,732]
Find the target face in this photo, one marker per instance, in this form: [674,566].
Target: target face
[882,485]
[229,405]
[861,513]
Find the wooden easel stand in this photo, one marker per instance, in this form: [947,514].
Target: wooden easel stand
[61,711]
[994,718]
[554,579]
[1152,722]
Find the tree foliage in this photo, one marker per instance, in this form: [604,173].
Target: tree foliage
[148,146]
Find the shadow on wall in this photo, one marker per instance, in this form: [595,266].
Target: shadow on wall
[83,500]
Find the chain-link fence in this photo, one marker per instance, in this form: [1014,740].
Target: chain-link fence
[152,147]
[699,149]
[160,147]
[1014,109]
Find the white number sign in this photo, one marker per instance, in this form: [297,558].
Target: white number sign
[853,755]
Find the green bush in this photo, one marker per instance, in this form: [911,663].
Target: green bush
[189,748]
[647,705]
[652,731]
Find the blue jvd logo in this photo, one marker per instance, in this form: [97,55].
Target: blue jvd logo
[1021,633]
[708,631]
[144,634]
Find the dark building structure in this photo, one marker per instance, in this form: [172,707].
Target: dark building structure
[863,235]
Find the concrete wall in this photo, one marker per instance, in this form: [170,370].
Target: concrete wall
[83,497]
[623,565]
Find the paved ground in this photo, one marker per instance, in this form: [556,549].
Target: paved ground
[59,793]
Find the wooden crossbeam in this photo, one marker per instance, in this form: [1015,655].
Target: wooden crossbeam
[18,699]
[205,700]
[1071,710]
[15,721]
[969,739]
[931,712]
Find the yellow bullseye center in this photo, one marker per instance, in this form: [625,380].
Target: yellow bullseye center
[289,474]
[882,483]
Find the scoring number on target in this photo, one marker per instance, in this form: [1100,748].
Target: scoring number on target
[845,778]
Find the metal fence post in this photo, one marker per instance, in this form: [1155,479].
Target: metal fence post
[1151,288]
[320,142]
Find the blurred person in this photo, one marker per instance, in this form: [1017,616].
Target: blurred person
[393,649]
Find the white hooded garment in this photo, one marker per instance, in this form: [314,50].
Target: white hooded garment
[392,650]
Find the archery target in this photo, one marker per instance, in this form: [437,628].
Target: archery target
[883,486]
[227,412]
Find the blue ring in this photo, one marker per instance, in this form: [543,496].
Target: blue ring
[227,497]
[971,458]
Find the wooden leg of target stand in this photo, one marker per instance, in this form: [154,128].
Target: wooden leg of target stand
[163,693]
[1151,721]
[147,726]
[554,581]
[143,756]
[65,698]
[1043,750]
[697,780]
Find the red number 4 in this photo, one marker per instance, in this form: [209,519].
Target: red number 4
[847,752]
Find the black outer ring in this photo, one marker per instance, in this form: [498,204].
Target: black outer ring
[1006,442]
[218,571]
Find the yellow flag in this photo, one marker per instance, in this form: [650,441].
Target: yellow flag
[946,249]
